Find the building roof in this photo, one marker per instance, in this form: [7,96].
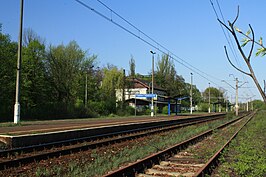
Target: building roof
[140,83]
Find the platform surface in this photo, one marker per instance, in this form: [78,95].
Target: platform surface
[35,127]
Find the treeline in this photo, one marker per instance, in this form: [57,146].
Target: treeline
[54,77]
[53,80]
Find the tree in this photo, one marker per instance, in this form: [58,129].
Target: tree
[29,35]
[166,77]
[247,58]
[92,72]
[215,95]
[63,67]
[112,80]
[8,55]
[132,67]
[35,89]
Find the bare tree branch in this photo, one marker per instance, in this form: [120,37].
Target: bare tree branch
[237,15]
[252,44]
[232,30]
[233,64]
[224,25]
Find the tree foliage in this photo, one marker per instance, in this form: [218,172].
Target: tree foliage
[167,78]
[112,80]
[8,55]
[57,79]
[216,95]
[132,66]
[64,70]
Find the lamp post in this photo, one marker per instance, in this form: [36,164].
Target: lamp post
[152,85]
[17,105]
[191,80]
[86,90]
[209,109]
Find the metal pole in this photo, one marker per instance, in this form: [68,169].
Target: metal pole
[219,99]
[226,105]
[135,106]
[191,93]
[209,109]
[247,105]
[86,90]
[17,105]
[152,86]
[236,97]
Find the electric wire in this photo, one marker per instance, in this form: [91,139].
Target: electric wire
[233,50]
[228,37]
[177,59]
[153,40]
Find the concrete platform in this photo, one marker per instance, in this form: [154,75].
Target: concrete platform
[54,131]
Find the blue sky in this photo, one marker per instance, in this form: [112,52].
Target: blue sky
[188,29]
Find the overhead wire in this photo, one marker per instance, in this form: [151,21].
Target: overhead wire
[169,53]
[158,47]
[233,50]
[228,37]
[153,40]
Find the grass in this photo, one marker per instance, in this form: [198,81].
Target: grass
[10,124]
[246,155]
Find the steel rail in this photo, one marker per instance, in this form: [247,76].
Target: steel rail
[214,160]
[148,162]
[92,145]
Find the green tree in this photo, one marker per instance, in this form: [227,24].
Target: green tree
[196,95]
[132,67]
[63,66]
[29,35]
[8,55]
[94,78]
[167,78]
[34,84]
[216,95]
[112,80]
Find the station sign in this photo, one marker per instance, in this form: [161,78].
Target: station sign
[146,95]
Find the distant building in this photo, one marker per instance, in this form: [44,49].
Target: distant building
[138,86]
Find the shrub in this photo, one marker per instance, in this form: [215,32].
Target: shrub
[165,110]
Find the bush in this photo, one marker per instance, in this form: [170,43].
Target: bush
[165,110]
[204,107]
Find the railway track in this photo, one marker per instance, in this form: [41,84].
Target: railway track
[181,159]
[19,156]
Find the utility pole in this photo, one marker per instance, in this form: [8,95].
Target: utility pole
[17,105]
[209,109]
[191,81]
[123,89]
[236,88]
[236,107]
[247,104]
[152,85]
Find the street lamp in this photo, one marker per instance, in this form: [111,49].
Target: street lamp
[209,109]
[17,105]
[191,80]
[152,85]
